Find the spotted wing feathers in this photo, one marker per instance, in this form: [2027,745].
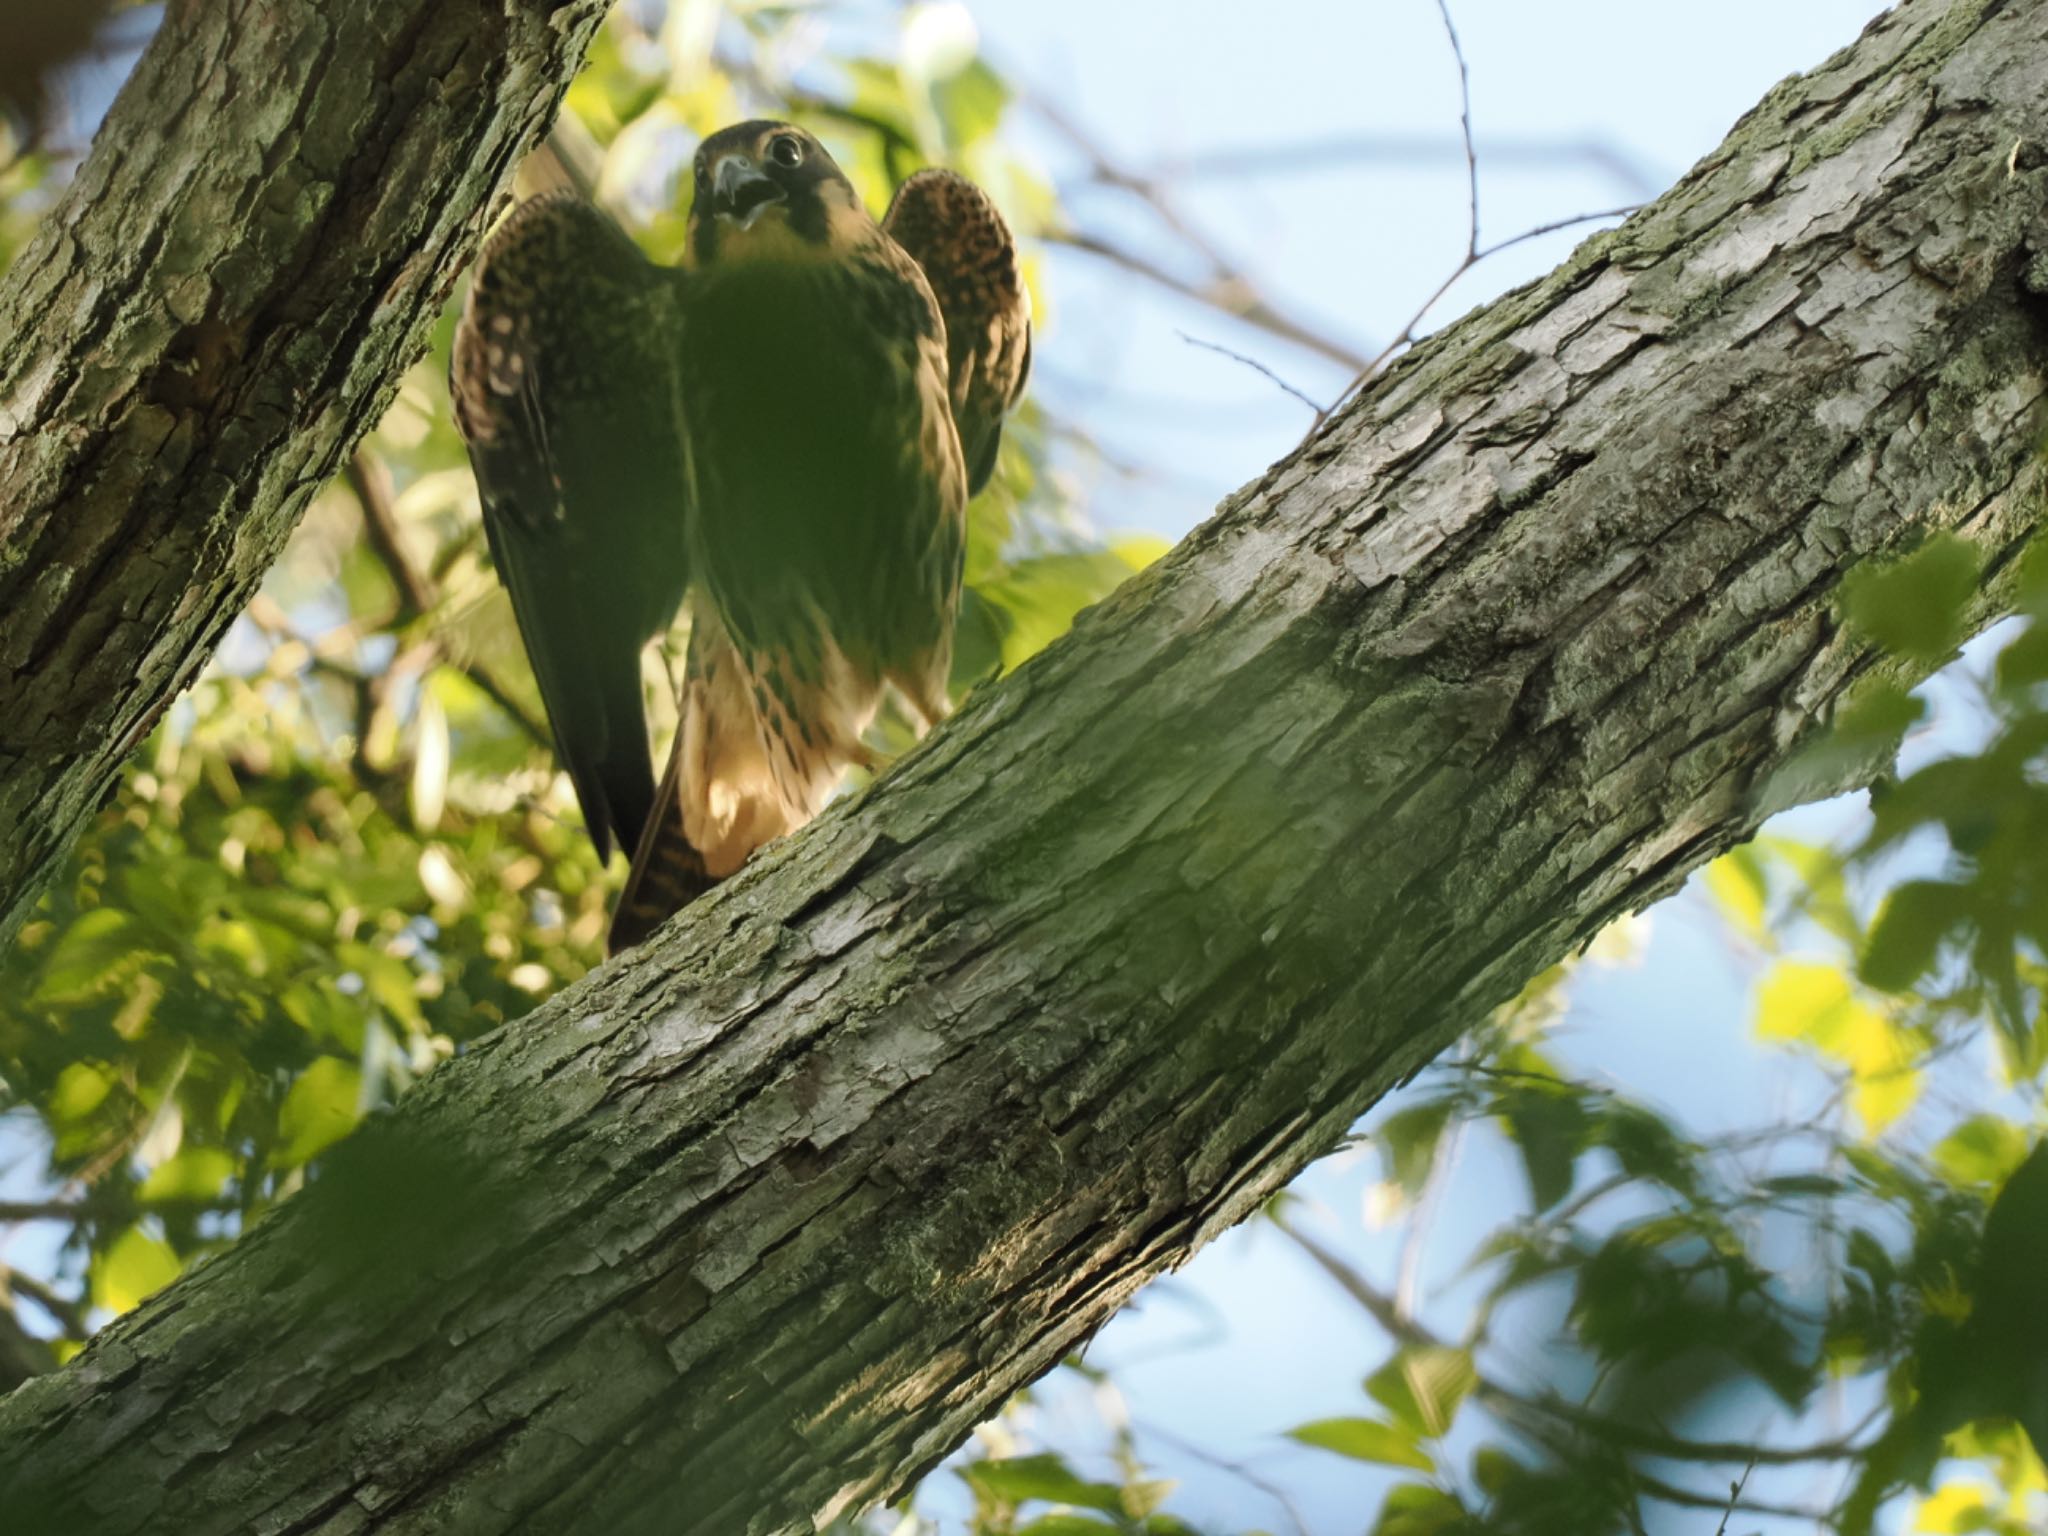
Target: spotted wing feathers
[563,382]
[952,230]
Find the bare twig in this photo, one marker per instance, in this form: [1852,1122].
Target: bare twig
[1237,1469]
[1474,251]
[1443,9]
[39,1210]
[1258,367]
[1686,1498]
[1406,334]
[1540,1408]
[1225,286]
[371,482]
[1377,1304]
[1553,227]
[67,1314]
[1225,290]
[1734,1497]
[1318,156]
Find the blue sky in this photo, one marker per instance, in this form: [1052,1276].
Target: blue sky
[1577,105]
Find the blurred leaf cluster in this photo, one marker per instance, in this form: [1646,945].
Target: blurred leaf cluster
[1875,1261]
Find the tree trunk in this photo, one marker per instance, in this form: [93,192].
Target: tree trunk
[221,305]
[752,1225]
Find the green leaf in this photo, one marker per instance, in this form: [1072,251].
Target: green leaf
[133,1266]
[1422,1388]
[1046,1476]
[1959,1508]
[94,954]
[1037,598]
[2023,664]
[1067,1525]
[321,1108]
[1908,934]
[1549,1130]
[1860,742]
[81,1088]
[195,1173]
[1416,1509]
[1816,1005]
[1647,1147]
[1740,889]
[1981,1152]
[1386,1445]
[1803,1000]
[971,101]
[1494,1471]
[1407,1142]
[1915,607]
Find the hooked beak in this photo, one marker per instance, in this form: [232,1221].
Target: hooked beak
[740,191]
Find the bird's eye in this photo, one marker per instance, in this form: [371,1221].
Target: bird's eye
[786,152]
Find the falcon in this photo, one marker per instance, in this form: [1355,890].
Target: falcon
[782,435]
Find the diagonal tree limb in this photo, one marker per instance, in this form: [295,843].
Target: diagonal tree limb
[269,222]
[750,1226]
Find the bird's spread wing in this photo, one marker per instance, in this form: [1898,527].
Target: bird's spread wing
[564,388]
[952,230]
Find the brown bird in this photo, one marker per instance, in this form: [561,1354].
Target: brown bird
[563,379]
[806,406]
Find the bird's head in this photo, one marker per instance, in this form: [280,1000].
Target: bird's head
[767,190]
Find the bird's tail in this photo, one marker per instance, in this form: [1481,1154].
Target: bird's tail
[668,874]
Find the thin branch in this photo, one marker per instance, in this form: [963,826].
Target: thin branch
[1443,9]
[1406,334]
[1518,1406]
[1377,1304]
[1227,287]
[67,1314]
[1651,1442]
[39,1210]
[370,480]
[1258,367]
[1686,1498]
[1237,1469]
[417,597]
[1553,227]
[1225,290]
[1319,156]
[1734,1497]
[1408,1265]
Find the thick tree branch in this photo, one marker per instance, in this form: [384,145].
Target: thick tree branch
[749,1227]
[272,216]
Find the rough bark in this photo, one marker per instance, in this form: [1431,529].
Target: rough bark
[750,1226]
[220,306]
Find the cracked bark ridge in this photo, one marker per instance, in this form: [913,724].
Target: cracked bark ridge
[761,1219]
[268,223]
